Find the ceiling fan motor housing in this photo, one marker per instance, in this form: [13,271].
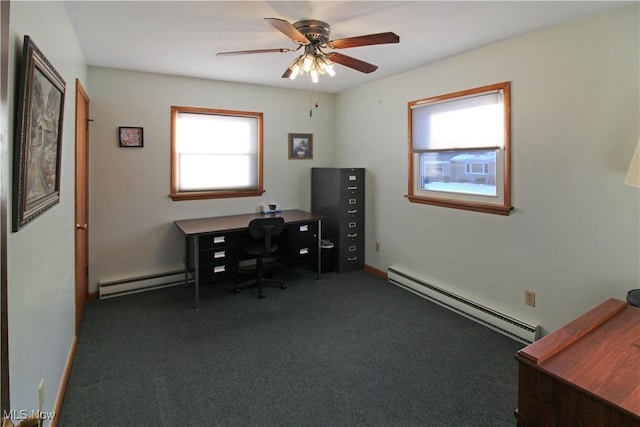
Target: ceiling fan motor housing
[317,32]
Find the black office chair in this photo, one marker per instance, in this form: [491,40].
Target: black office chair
[260,245]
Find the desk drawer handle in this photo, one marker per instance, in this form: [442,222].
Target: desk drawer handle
[219,254]
[352,248]
[353,224]
[352,258]
[304,227]
[352,235]
[219,239]
[304,251]
[352,211]
[219,269]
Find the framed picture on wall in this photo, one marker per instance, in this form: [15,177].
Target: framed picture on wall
[300,146]
[130,136]
[38,137]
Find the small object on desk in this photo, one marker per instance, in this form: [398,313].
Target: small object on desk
[270,208]
[633,297]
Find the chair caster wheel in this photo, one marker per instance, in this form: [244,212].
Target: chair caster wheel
[236,291]
[261,295]
[283,286]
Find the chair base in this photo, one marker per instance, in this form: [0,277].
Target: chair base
[260,284]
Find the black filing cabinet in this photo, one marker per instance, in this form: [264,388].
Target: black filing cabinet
[338,193]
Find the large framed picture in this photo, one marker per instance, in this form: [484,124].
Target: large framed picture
[38,137]
[300,146]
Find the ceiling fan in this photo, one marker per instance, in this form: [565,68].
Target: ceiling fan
[313,35]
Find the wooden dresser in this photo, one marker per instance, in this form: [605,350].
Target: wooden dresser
[586,374]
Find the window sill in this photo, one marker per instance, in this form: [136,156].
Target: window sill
[202,195]
[468,206]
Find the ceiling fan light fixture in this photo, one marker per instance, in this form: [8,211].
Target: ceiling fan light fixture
[326,65]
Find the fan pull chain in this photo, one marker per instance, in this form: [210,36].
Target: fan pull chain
[313,103]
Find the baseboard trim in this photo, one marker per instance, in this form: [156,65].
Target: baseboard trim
[376,271]
[62,388]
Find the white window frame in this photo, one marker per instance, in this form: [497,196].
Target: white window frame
[248,149]
[419,142]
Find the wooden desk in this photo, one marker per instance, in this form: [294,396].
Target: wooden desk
[586,374]
[212,245]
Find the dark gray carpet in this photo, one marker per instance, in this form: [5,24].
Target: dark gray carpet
[348,350]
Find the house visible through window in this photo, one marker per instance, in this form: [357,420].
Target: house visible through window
[215,153]
[460,150]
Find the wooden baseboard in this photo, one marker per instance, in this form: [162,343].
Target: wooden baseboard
[376,271]
[62,388]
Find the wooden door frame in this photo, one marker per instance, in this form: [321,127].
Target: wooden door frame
[81,96]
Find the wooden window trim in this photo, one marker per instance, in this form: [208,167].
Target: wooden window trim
[498,209]
[213,194]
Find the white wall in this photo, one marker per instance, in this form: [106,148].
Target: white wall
[41,255]
[131,215]
[574,235]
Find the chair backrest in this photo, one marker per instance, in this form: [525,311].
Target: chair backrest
[266,228]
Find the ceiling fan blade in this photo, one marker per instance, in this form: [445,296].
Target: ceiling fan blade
[352,62]
[286,74]
[245,52]
[288,30]
[370,39]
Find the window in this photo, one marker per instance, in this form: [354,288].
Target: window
[460,150]
[215,153]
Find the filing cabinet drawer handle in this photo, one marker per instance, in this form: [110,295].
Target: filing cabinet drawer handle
[304,251]
[304,227]
[353,225]
[352,211]
[353,177]
[219,254]
[352,187]
[352,235]
[352,201]
[219,239]
[352,258]
[352,248]
[219,269]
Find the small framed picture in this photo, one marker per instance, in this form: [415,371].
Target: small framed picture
[300,146]
[130,136]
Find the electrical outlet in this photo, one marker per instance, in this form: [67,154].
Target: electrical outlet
[530,298]
[377,246]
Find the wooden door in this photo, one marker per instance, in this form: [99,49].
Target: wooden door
[82,200]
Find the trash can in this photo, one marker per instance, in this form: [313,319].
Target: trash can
[326,254]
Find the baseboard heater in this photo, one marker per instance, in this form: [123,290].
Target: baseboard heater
[137,284]
[500,322]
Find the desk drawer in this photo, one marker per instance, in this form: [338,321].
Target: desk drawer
[216,272]
[218,240]
[303,248]
[303,229]
[218,256]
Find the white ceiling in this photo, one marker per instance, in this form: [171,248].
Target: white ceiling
[183,37]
